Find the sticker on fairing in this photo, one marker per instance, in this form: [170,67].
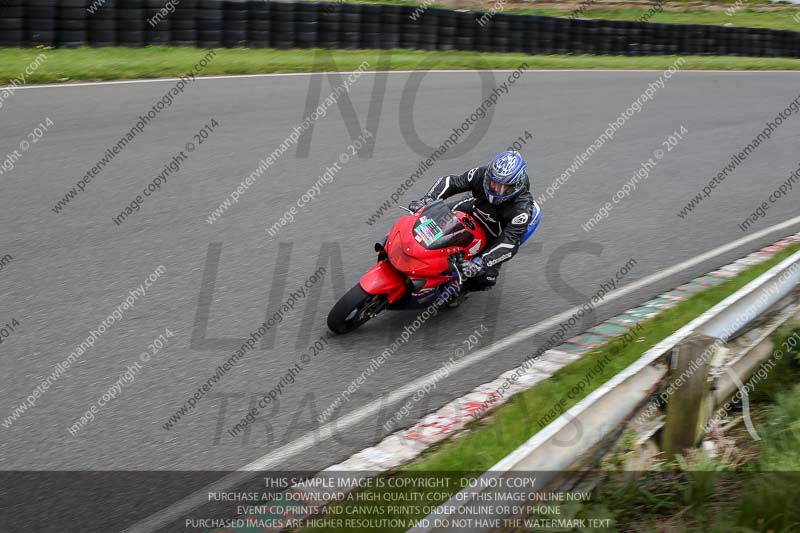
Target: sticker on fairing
[429,231]
[475,249]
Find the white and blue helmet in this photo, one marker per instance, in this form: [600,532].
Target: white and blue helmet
[505,177]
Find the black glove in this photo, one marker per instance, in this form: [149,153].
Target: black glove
[416,205]
[472,268]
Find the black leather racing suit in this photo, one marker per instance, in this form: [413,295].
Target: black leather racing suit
[504,224]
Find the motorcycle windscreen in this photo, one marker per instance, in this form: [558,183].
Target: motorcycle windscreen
[438,227]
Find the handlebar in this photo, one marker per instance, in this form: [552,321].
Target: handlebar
[455,261]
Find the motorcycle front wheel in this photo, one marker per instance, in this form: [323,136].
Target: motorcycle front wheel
[355,308]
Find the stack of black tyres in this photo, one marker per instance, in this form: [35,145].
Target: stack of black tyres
[210,16]
[467,29]
[561,37]
[654,39]
[788,42]
[12,23]
[574,38]
[483,32]
[40,20]
[771,48]
[598,37]
[756,40]
[157,25]
[350,26]
[737,37]
[408,28]
[620,41]
[306,25]
[617,42]
[371,25]
[329,24]
[516,37]
[183,30]
[549,45]
[337,24]
[447,29]
[103,24]
[428,23]
[283,24]
[758,45]
[499,30]
[236,24]
[645,35]
[792,44]
[689,41]
[130,23]
[604,35]
[260,23]
[530,28]
[670,38]
[73,24]
[392,21]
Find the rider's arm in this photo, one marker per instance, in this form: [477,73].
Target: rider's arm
[510,239]
[447,186]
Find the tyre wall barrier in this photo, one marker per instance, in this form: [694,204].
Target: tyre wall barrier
[260,24]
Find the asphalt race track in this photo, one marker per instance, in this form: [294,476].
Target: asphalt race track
[72,269]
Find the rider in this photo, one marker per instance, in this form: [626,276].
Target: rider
[501,203]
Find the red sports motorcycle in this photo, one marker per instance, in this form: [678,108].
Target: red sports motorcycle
[418,262]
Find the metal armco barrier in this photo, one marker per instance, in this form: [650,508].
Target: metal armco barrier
[260,24]
[558,445]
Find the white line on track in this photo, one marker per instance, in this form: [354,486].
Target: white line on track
[314,437]
[466,71]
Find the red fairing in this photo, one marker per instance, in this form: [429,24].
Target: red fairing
[409,259]
[478,235]
[383,278]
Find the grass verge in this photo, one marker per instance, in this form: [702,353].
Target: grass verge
[64,65]
[507,427]
[751,486]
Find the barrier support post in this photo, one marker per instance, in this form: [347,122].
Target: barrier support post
[687,405]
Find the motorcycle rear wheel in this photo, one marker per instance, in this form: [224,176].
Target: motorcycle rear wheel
[354,309]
